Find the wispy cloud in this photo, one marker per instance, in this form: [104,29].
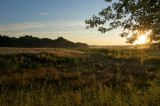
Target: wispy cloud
[66,25]
[44,13]
[69,24]
[20,26]
[50,32]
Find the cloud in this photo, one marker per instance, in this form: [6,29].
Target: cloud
[69,24]
[51,33]
[61,25]
[43,14]
[20,26]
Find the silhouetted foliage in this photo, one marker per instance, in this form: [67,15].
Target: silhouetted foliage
[134,16]
[155,45]
[29,41]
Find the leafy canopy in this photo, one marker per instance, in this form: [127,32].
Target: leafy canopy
[134,16]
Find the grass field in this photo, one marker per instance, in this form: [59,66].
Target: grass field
[45,76]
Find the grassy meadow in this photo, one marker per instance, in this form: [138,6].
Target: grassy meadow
[48,76]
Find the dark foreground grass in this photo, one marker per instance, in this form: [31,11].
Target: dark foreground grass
[100,77]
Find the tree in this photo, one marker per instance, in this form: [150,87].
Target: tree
[32,42]
[136,17]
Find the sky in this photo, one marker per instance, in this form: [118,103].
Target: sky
[54,18]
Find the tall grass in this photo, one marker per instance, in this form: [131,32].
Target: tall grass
[100,77]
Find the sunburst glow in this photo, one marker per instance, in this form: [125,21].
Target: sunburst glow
[142,39]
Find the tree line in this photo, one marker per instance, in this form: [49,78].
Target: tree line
[32,42]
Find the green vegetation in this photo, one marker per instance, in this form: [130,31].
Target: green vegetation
[80,77]
[32,42]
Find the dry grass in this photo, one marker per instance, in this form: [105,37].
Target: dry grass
[45,76]
[57,51]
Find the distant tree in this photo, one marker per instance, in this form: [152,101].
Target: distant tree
[81,45]
[134,16]
[29,41]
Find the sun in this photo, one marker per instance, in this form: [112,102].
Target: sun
[141,40]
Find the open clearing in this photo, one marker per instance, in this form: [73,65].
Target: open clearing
[46,76]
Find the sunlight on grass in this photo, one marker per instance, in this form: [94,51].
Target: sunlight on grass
[102,77]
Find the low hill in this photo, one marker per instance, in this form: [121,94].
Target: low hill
[32,42]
